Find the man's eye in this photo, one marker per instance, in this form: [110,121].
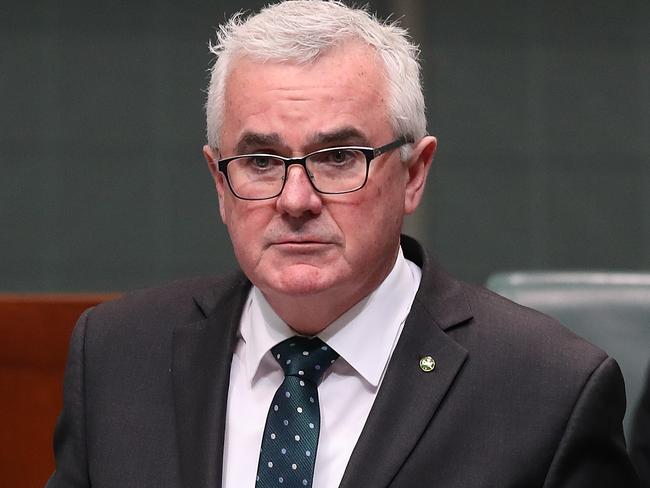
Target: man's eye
[340,156]
[337,157]
[259,162]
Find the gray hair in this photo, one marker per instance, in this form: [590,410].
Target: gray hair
[298,31]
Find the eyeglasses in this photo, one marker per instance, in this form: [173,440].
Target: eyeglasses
[333,170]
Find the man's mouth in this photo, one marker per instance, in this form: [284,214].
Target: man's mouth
[300,241]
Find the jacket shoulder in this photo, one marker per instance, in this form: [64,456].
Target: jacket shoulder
[527,335]
[182,298]
[148,316]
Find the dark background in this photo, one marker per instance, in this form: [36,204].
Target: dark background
[542,111]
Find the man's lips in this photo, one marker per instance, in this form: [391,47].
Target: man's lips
[302,242]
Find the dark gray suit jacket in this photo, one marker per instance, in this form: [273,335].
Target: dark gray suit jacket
[515,399]
[640,437]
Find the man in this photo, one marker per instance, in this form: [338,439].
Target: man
[317,146]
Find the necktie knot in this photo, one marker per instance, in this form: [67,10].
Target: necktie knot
[306,358]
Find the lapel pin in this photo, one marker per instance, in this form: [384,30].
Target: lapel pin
[427,364]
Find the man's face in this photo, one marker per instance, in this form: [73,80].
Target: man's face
[303,244]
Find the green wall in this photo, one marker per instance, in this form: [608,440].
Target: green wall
[542,110]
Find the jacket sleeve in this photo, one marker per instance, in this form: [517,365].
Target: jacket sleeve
[592,450]
[70,434]
[640,437]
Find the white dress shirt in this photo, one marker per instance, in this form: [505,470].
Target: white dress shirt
[364,337]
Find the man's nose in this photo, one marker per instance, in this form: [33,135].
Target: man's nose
[298,195]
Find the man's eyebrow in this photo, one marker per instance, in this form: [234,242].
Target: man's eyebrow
[344,135]
[254,140]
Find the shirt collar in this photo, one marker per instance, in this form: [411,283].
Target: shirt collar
[376,322]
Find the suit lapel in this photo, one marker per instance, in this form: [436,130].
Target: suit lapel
[409,397]
[405,404]
[202,354]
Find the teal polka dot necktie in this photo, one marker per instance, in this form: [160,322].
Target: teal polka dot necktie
[290,439]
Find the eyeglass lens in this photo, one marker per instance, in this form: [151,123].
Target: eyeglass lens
[337,170]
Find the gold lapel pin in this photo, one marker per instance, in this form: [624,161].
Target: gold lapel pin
[427,364]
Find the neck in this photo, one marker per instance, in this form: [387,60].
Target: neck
[307,315]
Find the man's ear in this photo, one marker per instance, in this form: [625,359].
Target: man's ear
[211,158]
[418,168]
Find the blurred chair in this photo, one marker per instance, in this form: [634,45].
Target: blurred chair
[35,330]
[611,310]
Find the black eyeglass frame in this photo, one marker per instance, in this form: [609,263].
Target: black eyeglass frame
[369,152]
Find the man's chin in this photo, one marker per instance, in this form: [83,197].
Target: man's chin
[300,280]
